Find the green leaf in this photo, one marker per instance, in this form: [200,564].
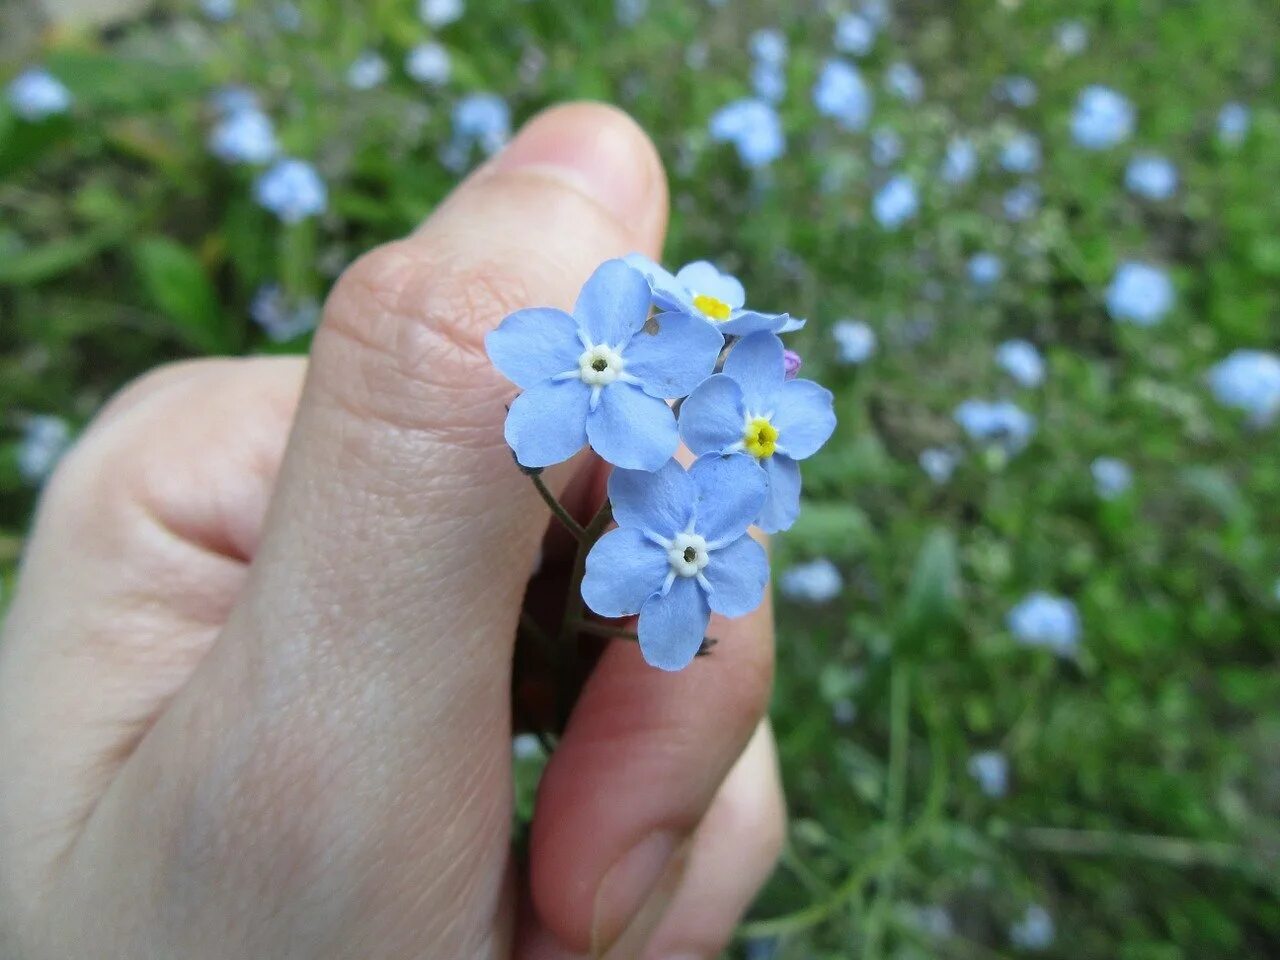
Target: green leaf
[175,282]
[840,531]
[57,257]
[933,592]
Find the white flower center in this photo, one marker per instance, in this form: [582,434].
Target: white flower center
[600,366]
[688,554]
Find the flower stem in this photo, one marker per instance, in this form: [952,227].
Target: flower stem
[566,649]
[561,514]
[610,632]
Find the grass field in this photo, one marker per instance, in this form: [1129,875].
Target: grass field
[1095,776]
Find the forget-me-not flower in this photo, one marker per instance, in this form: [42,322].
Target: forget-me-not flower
[232,99]
[895,203]
[1035,931]
[367,71]
[279,319]
[961,161]
[1044,620]
[35,94]
[1022,202]
[1021,153]
[855,341]
[1072,37]
[817,581]
[985,269]
[1248,380]
[1151,176]
[218,11]
[752,408]
[939,463]
[440,13]
[754,129]
[1017,90]
[791,364]
[680,551]
[429,63]
[990,768]
[841,94]
[630,12]
[855,35]
[1102,118]
[245,136]
[601,375]
[768,81]
[701,291]
[482,119]
[1111,477]
[44,440]
[292,190]
[1002,423]
[1022,361]
[768,46]
[902,80]
[1233,124]
[886,146]
[1140,294]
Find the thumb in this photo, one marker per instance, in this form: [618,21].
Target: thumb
[365,677]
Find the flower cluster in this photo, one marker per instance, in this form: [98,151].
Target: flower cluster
[640,344]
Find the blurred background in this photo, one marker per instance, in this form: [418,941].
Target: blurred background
[1029,622]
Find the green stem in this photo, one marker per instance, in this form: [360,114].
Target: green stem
[895,800]
[596,629]
[566,649]
[561,514]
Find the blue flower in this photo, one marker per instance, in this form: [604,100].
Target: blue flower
[1020,153]
[1021,203]
[895,203]
[601,375]
[1111,477]
[754,129]
[44,440]
[1044,620]
[281,320]
[1017,90]
[35,94]
[1022,361]
[904,83]
[961,161]
[877,11]
[292,190]
[769,46]
[1072,36]
[1140,294]
[985,269]
[768,81]
[990,768]
[287,17]
[218,11]
[817,581]
[1102,118]
[1249,380]
[855,341]
[429,63]
[1001,423]
[842,94]
[1034,932]
[701,291]
[232,99]
[886,147]
[939,463]
[630,12]
[440,13]
[479,119]
[855,35]
[367,71]
[245,136]
[1234,120]
[1152,177]
[753,408]
[680,551]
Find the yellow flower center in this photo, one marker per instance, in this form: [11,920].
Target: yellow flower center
[717,310]
[760,438]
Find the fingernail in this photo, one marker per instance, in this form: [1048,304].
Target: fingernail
[597,150]
[634,895]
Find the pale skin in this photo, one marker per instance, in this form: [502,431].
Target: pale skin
[255,678]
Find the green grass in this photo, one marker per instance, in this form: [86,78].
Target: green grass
[1144,809]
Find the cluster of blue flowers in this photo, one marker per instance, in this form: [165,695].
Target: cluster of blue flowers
[638,338]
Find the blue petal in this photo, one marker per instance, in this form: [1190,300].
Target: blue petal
[703,277]
[738,574]
[668,292]
[624,569]
[745,322]
[805,418]
[614,304]
[675,357]
[782,505]
[530,346]
[712,418]
[671,628]
[631,429]
[755,362]
[547,423]
[660,502]
[731,491]
[792,324]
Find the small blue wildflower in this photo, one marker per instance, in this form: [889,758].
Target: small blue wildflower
[754,129]
[595,377]
[1151,177]
[985,269]
[886,147]
[1021,153]
[939,463]
[1022,361]
[630,12]
[1234,121]
[44,440]
[292,190]
[1019,91]
[817,581]
[768,46]
[1248,380]
[1140,294]
[855,35]
[841,94]
[429,63]
[1044,620]
[680,551]
[895,203]
[701,291]
[1111,477]
[1102,118]
[440,13]
[768,81]
[933,921]
[482,119]
[1035,931]
[990,769]
[961,161]
[367,71]
[287,17]
[1072,37]
[35,94]
[855,341]
[903,82]
[279,319]
[1002,423]
[219,11]
[232,99]
[1022,202]
[751,407]
[246,136]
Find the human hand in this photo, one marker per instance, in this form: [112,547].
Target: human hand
[255,684]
